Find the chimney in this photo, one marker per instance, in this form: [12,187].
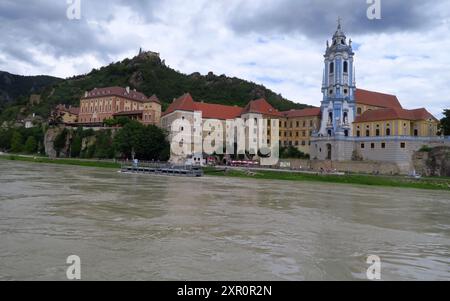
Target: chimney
[128,90]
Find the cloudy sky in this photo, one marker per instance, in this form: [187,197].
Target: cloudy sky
[279,43]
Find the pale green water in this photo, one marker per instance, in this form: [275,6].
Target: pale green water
[140,227]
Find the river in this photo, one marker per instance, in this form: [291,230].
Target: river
[141,227]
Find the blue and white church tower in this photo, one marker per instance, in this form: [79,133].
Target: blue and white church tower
[338,88]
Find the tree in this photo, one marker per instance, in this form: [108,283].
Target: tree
[75,147]
[146,142]
[31,145]
[292,153]
[16,142]
[60,142]
[104,145]
[5,138]
[445,123]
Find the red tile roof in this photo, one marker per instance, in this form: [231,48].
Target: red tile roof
[310,112]
[261,106]
[183,103]
[116,91]
[376,99]
[211,111]
[215,111]
[393,114]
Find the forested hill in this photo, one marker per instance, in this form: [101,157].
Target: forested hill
[149,74]
[13,86]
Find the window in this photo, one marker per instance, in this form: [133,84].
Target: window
[310,123]
[303,143]
[346,133]
[372,145]
[298,123]
[331,68]
[358,133]
[377,132]
[345,67]
[359,111]
[367,133]
[388,132]
[304,123]
[416,132]
[402,145]
[383,145]
[362,145]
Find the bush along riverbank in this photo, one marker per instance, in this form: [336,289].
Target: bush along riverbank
[386,181]
[77,162]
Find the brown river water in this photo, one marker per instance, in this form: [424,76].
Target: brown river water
[142,227]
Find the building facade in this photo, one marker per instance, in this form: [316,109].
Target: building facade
[364,125]
[101,104]
[65,114]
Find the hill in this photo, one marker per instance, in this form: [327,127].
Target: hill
[149,74]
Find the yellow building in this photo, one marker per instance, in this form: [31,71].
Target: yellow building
[67,115]
[396,122]
[297,127]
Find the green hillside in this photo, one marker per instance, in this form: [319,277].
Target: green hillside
[148,74]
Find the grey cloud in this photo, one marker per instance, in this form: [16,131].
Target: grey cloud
[317,18]
[44,24]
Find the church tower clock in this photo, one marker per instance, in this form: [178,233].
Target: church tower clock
[338,87]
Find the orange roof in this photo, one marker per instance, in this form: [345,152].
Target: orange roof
[214,111]
[211,111]
[183,103]
[260,106]
[376,99]
[116,91]
[394,114]
[310,112]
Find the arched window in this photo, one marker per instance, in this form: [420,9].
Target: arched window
[345,67]
[388,132]
[331,68]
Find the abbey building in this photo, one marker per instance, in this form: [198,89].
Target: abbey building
[363,125]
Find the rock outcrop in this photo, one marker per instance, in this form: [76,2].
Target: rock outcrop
[435,162]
